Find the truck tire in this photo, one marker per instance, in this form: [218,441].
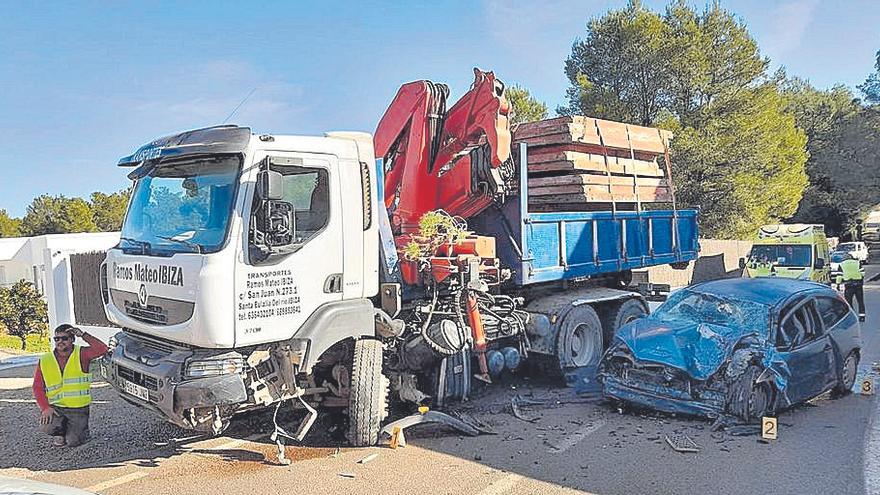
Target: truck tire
[616,315]
[579,339]
[368,399]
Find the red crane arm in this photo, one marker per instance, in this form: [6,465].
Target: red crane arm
[429,152]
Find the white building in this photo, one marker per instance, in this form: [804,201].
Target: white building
[45,261]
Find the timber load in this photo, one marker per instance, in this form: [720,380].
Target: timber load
[584,163]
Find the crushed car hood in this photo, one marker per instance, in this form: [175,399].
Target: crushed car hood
[698,349]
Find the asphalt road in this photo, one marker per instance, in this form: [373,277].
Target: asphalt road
[572,445]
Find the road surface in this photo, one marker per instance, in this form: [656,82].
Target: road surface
[573,445]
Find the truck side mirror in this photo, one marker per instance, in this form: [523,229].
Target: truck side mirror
[277,223]
[820,263]
[742,263]
[270,185]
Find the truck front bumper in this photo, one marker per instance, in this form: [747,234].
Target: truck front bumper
[150,374]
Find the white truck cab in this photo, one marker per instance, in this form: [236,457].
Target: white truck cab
[232,275]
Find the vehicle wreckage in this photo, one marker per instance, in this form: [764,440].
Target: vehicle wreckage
[735,348]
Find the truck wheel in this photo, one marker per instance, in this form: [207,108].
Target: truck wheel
[368,399]
[616,315]
[579,339]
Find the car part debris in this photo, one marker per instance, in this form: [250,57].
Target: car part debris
[368,458]
[346,475]
[280,433]
[430,417]
[515,402]
[682,443]
[743,430]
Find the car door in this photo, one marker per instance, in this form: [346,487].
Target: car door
[807,350]
[841,327]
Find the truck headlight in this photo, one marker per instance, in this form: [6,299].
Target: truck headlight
[223,364]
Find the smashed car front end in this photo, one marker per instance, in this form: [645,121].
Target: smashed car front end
[657,386]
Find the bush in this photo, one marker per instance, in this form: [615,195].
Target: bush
[37,343]
[10,342]
[33,342]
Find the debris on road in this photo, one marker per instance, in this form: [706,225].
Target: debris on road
[515,402]
[368,458]
[743,430]
[430,417]
[346,475]
[682,443]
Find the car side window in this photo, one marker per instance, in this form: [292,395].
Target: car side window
[831,310]
[799,327]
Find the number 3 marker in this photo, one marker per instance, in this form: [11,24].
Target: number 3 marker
[868,386]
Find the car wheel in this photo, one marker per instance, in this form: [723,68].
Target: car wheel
[847,375]
[748,399]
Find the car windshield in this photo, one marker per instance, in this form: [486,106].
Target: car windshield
[693,306]
[846,247]
[793,255]
[183,206]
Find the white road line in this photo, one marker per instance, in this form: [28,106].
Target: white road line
[872,454]
[576,437]
[126,478]
[502,485]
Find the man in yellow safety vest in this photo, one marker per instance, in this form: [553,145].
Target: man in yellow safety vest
[853,280]
[62,386]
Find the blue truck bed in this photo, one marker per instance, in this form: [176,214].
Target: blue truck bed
[545,247]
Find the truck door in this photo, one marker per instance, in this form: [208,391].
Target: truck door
[276,292]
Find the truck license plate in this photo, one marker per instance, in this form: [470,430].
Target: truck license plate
[135,390]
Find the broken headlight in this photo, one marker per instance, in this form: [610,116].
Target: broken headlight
[229,363]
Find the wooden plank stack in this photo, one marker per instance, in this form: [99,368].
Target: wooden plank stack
[581,161]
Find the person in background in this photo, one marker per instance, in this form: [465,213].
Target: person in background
[852,278]
[62,384]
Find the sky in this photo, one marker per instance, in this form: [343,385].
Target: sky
[84,83]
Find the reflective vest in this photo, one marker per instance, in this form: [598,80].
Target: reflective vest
[851,270]
[71,390]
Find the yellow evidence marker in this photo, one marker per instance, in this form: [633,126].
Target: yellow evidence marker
[768,428]
[397,438]
[868,385]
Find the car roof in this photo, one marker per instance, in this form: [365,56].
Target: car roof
[769,291]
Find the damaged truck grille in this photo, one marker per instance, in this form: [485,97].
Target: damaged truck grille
[137,378]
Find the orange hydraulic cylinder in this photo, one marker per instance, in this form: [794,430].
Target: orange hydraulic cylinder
[479,333]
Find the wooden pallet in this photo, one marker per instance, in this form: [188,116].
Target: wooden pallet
[567,162]
[579,161]
[597,132]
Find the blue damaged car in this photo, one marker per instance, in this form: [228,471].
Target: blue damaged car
[742,348]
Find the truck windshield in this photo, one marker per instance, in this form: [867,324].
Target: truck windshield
[183,206]
[791,255]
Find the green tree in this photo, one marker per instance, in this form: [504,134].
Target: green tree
[523,106]
[9,226]
[844,148]
[108,210]
[871,87]
[57,215]
[737,153]
[23,310]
